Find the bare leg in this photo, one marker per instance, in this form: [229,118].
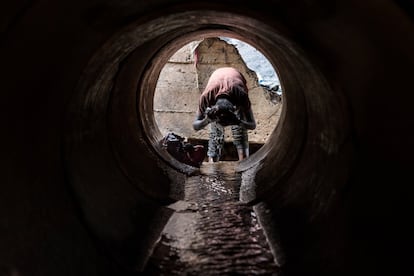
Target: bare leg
[240,140]
[212,159]
[243,153]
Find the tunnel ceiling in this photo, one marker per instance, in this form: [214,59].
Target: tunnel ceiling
[125,72]
[83,169]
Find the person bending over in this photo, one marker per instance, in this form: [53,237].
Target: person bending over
[225,102]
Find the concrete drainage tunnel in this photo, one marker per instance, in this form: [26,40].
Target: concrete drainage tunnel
[87,185]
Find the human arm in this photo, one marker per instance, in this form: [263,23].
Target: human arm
[247,120]
[201,120]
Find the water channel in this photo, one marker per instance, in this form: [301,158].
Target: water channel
[211,232]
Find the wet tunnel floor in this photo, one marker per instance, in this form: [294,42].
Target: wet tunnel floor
[211,232]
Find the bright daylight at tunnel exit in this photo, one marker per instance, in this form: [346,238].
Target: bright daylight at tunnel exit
[122,157]
[186,74]
[210,230]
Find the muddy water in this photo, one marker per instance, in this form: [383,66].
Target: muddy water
[211,231]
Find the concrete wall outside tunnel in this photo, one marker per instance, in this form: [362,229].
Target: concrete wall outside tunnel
[181,82]
[86,185]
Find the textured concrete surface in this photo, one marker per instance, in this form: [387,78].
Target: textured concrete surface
[83,183]
[211,231]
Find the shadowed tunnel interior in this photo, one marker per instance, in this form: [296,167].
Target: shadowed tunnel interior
[87,185]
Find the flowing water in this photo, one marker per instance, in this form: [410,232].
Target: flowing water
[211,231]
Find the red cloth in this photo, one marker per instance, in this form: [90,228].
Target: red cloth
[196,157]
[187,153]
[226,81]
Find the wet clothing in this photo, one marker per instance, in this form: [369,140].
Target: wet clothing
[216,141]
[229,83]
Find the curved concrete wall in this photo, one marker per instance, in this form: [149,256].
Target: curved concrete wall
[86,183]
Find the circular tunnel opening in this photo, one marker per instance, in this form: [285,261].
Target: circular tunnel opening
[184,76]
[111,120]
[113,138]
[151,77]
